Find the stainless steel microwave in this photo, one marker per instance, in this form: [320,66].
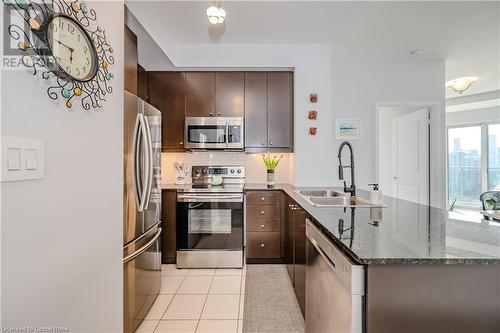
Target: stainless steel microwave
[214,133]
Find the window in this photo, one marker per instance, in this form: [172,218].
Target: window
[494,157]
[473,162]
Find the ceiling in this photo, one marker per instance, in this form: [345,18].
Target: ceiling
[465,34]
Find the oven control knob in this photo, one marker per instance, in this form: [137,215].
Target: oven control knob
[197,171]
[204,171]
[232,170]
[239,170]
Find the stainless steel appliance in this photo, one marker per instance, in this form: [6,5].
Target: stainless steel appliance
[210,219]
[214,133]
[142,209]
[334,287]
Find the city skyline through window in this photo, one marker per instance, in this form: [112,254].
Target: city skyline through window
[466,165]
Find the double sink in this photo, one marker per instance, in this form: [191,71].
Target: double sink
[331,198]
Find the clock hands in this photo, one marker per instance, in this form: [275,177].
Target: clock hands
[71,50]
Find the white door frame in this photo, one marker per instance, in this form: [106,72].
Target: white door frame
[437,154]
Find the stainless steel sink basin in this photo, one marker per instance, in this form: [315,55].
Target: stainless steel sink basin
[320,193]
[343,201]
[332,199]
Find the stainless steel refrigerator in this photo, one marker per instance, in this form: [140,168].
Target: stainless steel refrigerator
[142,209]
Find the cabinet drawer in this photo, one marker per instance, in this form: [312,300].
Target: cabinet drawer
[263,198]
[263,212]
[263,225]
[263,245]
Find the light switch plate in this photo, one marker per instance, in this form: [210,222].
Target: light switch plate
[13,159]
[21,159]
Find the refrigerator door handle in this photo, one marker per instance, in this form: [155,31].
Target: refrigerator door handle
[136,162]
[143,248]
[144,178]
[149,165]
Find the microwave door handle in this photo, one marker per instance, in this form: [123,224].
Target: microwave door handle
[149,164]
[227,134]
[145,176]
[136,161]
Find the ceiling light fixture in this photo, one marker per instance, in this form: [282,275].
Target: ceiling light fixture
[461,84]
[216,14]
[416,53]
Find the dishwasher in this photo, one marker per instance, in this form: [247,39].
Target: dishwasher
[334,287]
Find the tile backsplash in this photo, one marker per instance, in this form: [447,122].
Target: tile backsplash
[255,169]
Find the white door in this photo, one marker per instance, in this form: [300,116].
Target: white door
[410,146]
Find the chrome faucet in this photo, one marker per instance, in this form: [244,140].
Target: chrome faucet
[351,189]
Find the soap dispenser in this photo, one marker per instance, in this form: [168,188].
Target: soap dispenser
[375,194]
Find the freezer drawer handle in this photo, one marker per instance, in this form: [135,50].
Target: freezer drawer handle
[143,248]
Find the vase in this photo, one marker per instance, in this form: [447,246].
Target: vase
[270,177]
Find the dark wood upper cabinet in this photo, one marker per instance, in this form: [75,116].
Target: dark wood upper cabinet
[142,84]
[279,109]
[200,94]
[256,109]
[130,61]
[229,94]
[167,92]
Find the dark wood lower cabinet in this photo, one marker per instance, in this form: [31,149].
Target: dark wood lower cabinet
[263,245]
[168,223]
[295,249]
[264,227]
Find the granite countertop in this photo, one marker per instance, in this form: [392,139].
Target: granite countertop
[401,233]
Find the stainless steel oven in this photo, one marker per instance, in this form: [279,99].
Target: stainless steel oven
[209,230]
[214,133]
[210,218]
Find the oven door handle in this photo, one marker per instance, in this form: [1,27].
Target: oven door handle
[210,198]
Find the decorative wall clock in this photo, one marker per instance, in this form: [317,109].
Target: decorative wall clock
[62,42]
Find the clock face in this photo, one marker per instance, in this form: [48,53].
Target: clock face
[72,48]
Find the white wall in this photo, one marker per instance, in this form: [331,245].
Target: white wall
[359,84]
[473,116]
[150,56]
[62,235]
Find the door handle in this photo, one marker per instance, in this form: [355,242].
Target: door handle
[142,181]
[143,248]
[149,165]
[136,161]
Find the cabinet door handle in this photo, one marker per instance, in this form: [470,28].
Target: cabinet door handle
[263,143]
[181,143]
[262,199]
[218,113]
[262,225]
[262,245]
[211,114]
[270,143]
[262,212]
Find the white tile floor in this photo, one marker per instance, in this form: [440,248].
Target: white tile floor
[197,300]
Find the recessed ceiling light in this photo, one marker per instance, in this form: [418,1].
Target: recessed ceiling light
[461,84]
[216,14]
[416,53]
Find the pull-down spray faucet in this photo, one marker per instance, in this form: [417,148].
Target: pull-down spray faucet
[352,188]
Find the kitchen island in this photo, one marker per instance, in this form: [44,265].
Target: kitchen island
[424,272]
